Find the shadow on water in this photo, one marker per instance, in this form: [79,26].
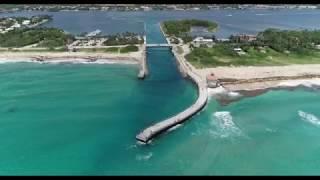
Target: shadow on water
[164,85]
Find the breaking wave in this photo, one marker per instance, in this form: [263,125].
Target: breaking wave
[222,92]
[224,125]
[309,118]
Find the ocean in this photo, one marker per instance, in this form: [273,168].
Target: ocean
[82,119]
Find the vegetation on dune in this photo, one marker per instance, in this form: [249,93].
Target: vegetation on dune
[45,37]
[224,55]
[272,47]
[181,28]
[110,49]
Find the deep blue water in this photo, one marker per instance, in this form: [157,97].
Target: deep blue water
[230,21]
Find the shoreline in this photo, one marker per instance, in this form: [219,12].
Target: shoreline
[225,96]
[248,78]
[72,57]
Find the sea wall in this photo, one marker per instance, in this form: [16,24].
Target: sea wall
[147,134]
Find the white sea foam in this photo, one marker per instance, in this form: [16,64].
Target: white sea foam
[71,61]
[215,91]
[309,118]
[140,143]
[270,130]
[222,92]
[145,157]
[224,125]
[304,82]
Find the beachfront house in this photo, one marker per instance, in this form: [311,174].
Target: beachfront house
[198,41]
[212,81]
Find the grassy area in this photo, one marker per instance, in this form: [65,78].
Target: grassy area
[223,55]
[110,49]
[126,49]
[130,48]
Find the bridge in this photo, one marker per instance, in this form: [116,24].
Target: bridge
[159,45]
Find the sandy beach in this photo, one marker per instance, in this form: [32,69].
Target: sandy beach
[74,57]
[271,76]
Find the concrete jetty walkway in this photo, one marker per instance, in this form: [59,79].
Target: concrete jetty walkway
[144,68]
[150,132]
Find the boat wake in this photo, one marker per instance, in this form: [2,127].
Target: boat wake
[224,127]
[309,118]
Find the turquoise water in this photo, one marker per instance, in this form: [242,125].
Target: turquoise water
[81,119]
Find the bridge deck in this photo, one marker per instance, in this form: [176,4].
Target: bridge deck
[159,45]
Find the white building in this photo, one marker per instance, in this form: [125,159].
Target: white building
[318,46]
[197,42]
[16,25]
[26,22]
